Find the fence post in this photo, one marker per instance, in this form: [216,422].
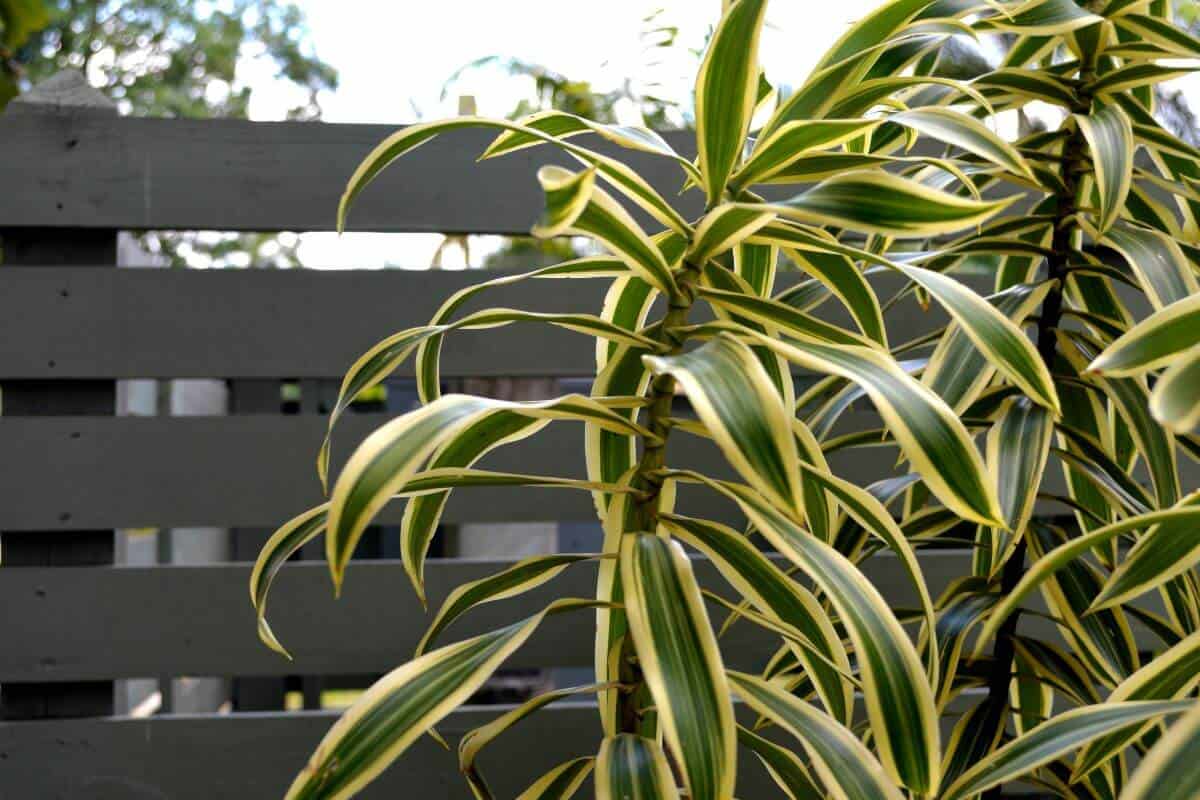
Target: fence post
[61,99]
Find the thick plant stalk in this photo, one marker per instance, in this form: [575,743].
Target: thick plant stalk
[1072,166]
[646,478]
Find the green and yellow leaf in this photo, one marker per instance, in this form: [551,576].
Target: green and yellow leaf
[681,663]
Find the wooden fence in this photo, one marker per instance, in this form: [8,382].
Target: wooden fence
[73,174]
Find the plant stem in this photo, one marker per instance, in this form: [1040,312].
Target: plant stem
[1072,166]
[644,514]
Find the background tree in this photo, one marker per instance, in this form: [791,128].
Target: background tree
[170,58]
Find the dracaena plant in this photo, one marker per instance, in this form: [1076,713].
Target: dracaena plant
[1042,427]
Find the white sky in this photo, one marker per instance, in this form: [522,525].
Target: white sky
[394,57]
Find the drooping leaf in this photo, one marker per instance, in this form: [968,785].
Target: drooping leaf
[785,767]
[931,436]
[1053,738]
[1163,552]
[1109,135]
[473,742]
[769,589]
[1067,552]
[562,782]
[631,767]
[681,663]
[896,690]
[1153,342]
[879,202]
[1169,771]
[403,704]
[525,575]
[574,204]
[847,769]
[1169,676]
[732,394]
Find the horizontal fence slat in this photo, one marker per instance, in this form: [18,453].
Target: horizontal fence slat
[300,323]
[128,172]
[81,473]
[150,323]
[76,623]
[77,473]
[245,756]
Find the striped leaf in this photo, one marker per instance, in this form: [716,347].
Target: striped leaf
[1163,552]
[405,703]
[631,767]
[733,395]
[1168,772]
[839,274]
[1018,445]
[791,141]
[561,124]
[1134,76]
[776,314]
[1030,84]
[1109,135]
[725,227]
[428,356]
[784,766]
[957,371]
[282,545]
[1102,639]
[575,205]
[1176,399]
[726,93]
[1067,552]
[762,583]
[525,575]
[896,691]
[989,330]
[997,337]
[958,129]
[386,356]
[847,769]
[874,517]
[931,436]
[1154,342]
[879,202]
[473,741]
[681,663]
[974,736]
[413,136]
[1169,676]
[1044,17]
[299,531]
[1173,40]
[562,782]
[1052,739]
[392,454]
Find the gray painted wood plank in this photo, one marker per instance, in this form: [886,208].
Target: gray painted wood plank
[79,473]
[75,623]
[130,172]
[259,470]
[244,756]
[76,323]
[139,323]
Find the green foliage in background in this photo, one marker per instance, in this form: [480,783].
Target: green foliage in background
[1043,427]
[169,58]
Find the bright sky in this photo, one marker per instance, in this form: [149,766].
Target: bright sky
[394,57]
